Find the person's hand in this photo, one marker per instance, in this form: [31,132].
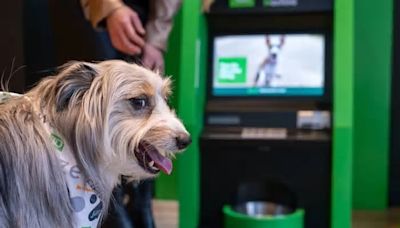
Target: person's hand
[153,58]
[126,31]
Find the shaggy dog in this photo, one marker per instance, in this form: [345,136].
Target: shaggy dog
[108,119]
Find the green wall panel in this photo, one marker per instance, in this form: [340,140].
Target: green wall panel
[373,35]
[191,92]
[166,186]
[342,113]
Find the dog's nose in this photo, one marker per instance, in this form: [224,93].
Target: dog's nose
[183,140]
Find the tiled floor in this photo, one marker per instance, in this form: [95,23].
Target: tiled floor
[166,216]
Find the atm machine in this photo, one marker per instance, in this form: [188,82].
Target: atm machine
[277,107]
[268,109]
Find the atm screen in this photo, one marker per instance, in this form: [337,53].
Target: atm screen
[269,65]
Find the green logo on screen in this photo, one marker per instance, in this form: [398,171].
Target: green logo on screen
[232,70]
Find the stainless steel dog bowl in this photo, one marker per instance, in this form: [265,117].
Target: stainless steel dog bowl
[262,208]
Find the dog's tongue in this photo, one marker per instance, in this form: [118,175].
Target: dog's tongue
[163,163]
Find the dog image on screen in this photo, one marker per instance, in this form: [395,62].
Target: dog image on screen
[267,71]
[65,143]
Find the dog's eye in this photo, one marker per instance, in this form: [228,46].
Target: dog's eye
[139,103]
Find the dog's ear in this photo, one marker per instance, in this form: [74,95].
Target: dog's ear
[75,80]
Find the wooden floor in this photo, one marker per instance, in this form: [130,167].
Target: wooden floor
[386,219]
[166,213]
[166,216]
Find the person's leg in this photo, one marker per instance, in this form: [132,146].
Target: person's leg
[139,206]
[117,215]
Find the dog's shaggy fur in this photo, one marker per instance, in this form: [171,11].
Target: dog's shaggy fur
[90,106]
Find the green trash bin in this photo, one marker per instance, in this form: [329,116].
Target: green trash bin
[271,216]
[263,204]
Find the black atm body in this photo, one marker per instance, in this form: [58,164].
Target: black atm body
[302,161]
